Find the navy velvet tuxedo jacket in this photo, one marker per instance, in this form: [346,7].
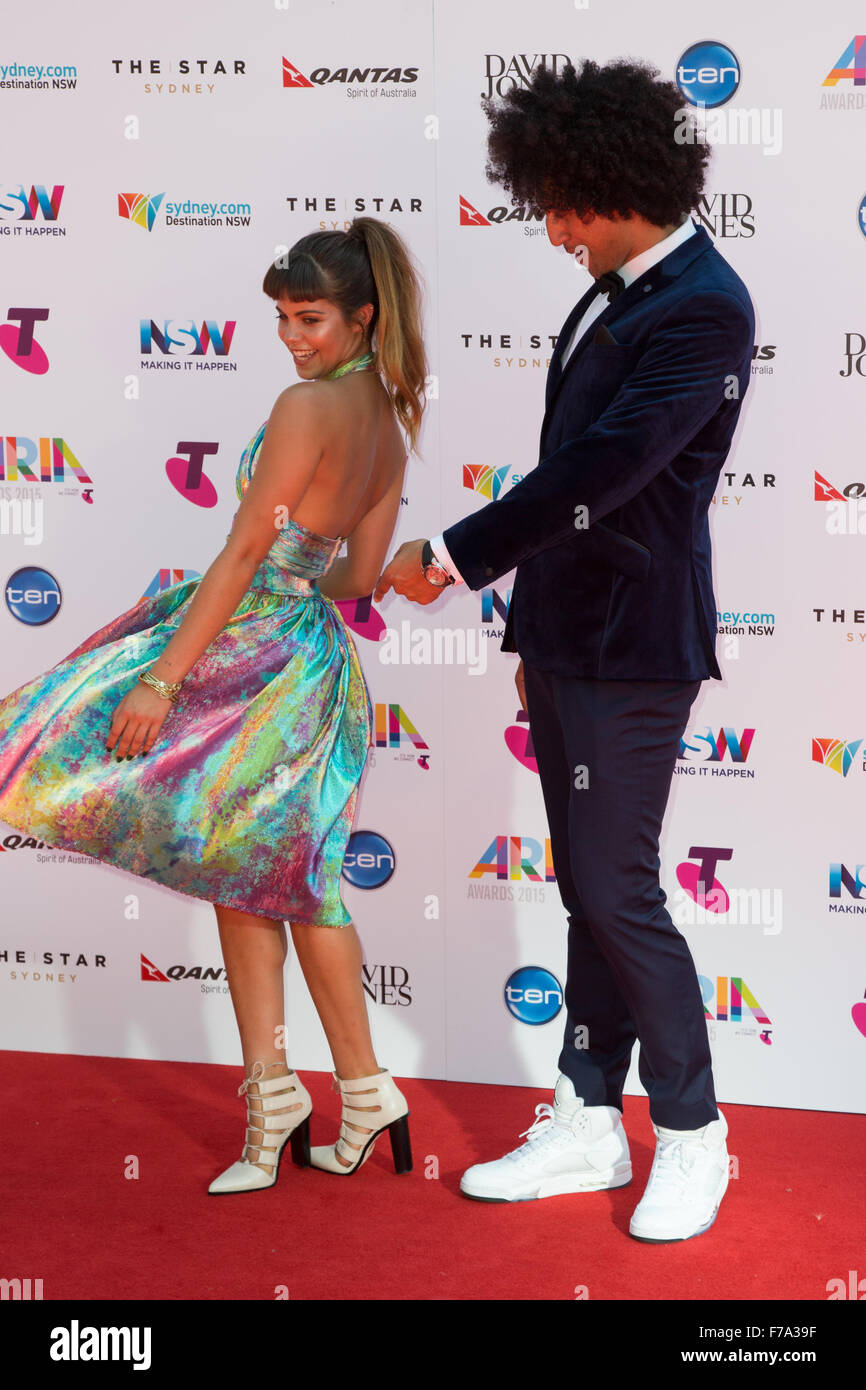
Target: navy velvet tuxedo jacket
[636,431]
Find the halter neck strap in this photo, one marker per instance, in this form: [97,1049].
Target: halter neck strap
[357,364]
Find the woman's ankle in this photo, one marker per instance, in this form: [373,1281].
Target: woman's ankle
[271,1068]
[359,1071]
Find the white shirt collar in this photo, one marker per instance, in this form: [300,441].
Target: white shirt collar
[638,264]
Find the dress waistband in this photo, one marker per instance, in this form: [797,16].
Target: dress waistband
[276,578]
[270,578]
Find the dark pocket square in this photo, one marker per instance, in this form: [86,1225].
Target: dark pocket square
[604,335]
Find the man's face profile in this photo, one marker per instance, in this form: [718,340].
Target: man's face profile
[585,240]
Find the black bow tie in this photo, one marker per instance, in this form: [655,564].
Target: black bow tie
[610,282]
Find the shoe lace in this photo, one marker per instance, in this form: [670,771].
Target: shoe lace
[545,1133]
[257,1074]
[672,1166]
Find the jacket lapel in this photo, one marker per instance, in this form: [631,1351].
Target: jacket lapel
[555,370]
[658,275]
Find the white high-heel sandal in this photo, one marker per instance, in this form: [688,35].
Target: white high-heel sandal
[275,1094]
[385,1108]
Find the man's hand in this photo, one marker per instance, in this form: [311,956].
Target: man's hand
[405,576]
[521,688]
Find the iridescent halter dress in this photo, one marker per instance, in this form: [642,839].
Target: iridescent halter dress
[248,796]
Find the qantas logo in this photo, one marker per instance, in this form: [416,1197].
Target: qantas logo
[826,492]
[293,77]
[153,974]
[470,216]
[495,216]
[149,971]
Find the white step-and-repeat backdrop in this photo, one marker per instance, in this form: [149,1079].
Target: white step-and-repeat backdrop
[153,163]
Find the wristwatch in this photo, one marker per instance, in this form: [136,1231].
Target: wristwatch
[433,572]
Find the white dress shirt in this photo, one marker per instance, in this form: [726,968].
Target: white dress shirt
[628,272]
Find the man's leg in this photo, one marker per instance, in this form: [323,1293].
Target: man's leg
[599,1031]
[578,1144]
[619,740]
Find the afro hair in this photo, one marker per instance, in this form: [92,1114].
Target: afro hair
[600,140]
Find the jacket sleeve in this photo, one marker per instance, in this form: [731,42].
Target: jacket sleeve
[676,386]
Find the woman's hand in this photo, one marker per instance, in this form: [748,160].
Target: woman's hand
[137,721]
[521,688]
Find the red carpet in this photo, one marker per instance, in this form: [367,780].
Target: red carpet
[792,1221]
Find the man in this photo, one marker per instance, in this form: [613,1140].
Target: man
[613,613]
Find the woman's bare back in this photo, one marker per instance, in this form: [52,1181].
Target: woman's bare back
[362,454]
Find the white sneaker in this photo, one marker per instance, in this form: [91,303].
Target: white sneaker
[687,1182]
[570,1147]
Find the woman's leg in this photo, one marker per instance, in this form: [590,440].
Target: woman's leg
[254,953]
[331,960]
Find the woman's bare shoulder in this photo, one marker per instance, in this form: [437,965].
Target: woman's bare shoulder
[300,392]
[299,407]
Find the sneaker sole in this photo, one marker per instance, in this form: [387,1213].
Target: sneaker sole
[670,1240]
[559,1187]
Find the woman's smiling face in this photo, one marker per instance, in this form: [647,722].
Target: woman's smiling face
[317,335]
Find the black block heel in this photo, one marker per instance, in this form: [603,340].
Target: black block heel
[400,1146]
[300,1142]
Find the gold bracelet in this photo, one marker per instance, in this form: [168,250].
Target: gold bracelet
[169,689]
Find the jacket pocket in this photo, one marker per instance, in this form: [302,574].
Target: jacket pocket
[628,556]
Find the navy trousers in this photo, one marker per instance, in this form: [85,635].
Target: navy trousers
[630,972]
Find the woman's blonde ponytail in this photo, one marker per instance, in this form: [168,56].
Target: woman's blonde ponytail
[399,344]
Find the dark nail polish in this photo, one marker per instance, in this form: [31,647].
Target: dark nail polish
[129,755]
[118,758]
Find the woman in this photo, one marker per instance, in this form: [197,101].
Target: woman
[244,711]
